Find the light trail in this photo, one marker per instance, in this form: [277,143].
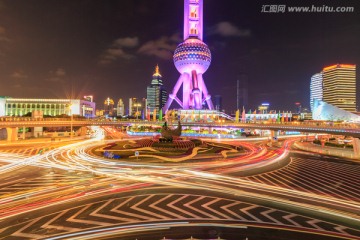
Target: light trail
[76,156]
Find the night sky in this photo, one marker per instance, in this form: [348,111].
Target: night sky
[64,48]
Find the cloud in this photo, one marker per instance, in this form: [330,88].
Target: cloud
[116,50]
[162,48]
[19,75]
[60,72]
[128,42]
[227,29]
[57,75]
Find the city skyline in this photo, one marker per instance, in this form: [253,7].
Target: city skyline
[48,51]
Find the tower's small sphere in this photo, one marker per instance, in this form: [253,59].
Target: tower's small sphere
[192,54]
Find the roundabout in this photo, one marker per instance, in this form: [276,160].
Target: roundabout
[89,196]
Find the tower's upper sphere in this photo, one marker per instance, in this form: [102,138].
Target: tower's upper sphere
[192,54]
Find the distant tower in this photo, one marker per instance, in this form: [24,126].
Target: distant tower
[156,94]
[120,110]
[242,91]
[192,58]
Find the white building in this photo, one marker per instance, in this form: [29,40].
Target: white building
[53,107]
[316,89]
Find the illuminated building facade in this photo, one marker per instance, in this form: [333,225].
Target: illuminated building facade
[120,108]
[156,94]
[137,108]
[263,108]
[51,107]
[192,58]
[316,89]
[339,86]
[109,107]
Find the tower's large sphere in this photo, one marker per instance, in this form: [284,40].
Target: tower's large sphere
[192,54]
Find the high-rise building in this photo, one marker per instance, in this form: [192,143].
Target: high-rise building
[120,108]
[218,102]
[156,94]
[109,107]
[135,107]
[242,91]
[316,89]
[339,86]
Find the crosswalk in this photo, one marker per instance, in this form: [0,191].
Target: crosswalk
[327,178]
[167,207]
[49,180]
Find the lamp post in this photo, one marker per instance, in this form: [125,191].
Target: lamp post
[137,105]
[71,121]
[221,124]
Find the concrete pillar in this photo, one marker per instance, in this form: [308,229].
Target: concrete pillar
[23,133]
[12,134]
[274,136]
[356,147]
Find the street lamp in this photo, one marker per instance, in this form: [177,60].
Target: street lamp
[71,120]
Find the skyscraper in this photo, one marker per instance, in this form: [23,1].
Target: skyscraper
[156,94]
[316,89]
[120,108]
[242,91]
[109,107]
[339,86]
[218,102]
[192,58]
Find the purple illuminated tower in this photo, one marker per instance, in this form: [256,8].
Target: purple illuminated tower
[192,58]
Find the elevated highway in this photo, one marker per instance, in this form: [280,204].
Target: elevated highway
[338,129]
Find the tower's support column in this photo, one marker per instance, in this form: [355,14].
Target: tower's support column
[172,96]
[12,134]
[274,135]
[187,87]
[356,147]
[207,97]
[196,91]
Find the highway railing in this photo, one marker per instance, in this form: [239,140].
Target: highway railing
[349,128]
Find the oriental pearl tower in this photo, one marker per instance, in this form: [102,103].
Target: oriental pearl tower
[192,58]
